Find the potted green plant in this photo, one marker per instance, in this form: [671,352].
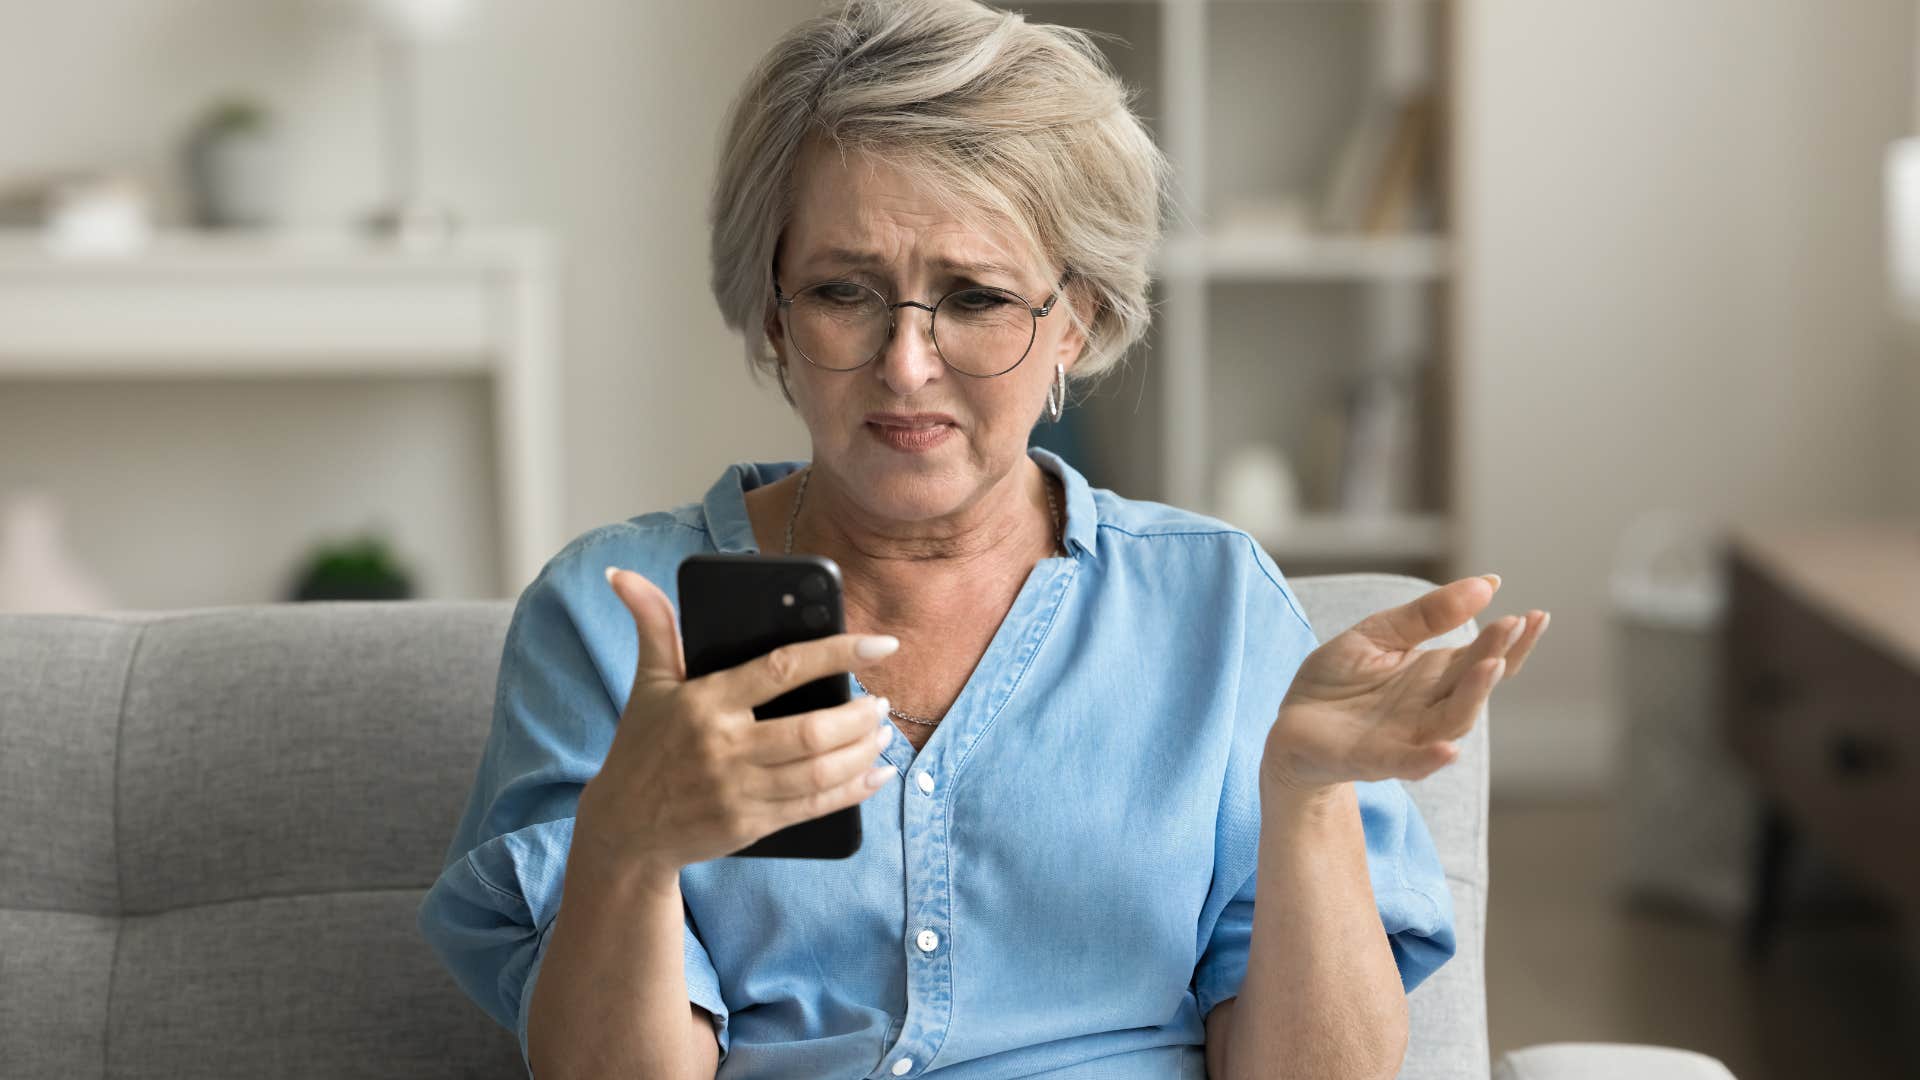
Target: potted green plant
[358,569]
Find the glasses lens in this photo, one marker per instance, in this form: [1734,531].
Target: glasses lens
[983,331]
[838,324]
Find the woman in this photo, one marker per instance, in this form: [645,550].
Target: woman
[1097,717]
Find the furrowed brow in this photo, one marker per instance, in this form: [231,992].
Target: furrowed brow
[975,268]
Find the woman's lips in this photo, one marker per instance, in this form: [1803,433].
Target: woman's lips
[910,439]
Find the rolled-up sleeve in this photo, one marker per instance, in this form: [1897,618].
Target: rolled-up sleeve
[1409,884]
[489,914]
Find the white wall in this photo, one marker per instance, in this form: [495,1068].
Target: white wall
[1672,298]
[595,117]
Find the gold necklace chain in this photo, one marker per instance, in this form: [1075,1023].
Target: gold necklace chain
[1059,538]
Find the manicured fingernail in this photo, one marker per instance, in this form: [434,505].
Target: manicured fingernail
[1493,580]
[1518,629]
[875,646]
[878,777]
[881,736]
[880,706]
[610,572]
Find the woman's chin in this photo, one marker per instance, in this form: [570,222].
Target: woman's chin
[907,490]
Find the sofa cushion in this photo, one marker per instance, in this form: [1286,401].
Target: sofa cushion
[221,823]
[61,681]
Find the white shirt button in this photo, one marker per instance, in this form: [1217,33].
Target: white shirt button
[925,780]
[928,941]
[903,1067]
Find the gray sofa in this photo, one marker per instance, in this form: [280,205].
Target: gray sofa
[218,824]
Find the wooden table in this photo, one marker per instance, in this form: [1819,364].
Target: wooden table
[1822,701]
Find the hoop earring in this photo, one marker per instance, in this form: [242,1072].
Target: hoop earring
[1057,394]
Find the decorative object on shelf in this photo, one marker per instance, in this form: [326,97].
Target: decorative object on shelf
[26,200]
[233,165]
[1376,473]
[98,214]
[409,218]
[37,572]
[1257,490]
[359,569]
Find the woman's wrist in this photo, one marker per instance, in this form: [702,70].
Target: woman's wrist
[600,871]
[1286,792]
[1303,802]
[1290,767]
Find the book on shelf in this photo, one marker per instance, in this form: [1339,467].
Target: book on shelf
[1389,209]
[1373,184]
[1321,456]
[1376,467]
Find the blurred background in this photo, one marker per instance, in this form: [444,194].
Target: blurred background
[304,299]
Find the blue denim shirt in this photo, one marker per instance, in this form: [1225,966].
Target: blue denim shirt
[1061,880]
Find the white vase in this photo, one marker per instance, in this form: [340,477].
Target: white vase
[1257,489]
[37,573]
[235,179]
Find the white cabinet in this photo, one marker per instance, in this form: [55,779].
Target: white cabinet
[197,305]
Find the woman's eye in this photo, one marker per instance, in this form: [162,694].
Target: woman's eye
[980,300]
[843,293]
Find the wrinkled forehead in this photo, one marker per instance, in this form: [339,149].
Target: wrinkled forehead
[851,202]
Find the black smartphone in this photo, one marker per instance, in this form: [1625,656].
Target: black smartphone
[735,608]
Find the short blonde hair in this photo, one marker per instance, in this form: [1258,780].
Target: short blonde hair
[1021,124]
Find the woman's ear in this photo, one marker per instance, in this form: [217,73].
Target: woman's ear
[775,337]
[1073,341]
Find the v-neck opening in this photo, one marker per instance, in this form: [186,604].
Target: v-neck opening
[1015,640]
[1009,650]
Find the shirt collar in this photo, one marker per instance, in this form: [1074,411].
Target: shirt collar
[1081,524]
[725,504]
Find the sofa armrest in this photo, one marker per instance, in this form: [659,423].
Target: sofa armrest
[1607,1061]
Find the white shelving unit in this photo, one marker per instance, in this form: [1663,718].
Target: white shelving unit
[195,305]
[1260,326]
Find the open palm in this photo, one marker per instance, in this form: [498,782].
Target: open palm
[1369,704]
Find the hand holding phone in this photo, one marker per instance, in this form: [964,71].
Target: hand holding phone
[694,773]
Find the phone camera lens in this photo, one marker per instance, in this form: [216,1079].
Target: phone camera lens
[813,586]
[815,616]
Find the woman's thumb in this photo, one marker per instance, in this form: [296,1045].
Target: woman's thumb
[660,657]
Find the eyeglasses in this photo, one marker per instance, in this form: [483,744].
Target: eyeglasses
[980,331]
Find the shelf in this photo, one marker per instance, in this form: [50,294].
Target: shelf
[261,303]
[1273,255]
[1357,536]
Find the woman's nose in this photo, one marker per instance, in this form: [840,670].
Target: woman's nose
[910,359]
